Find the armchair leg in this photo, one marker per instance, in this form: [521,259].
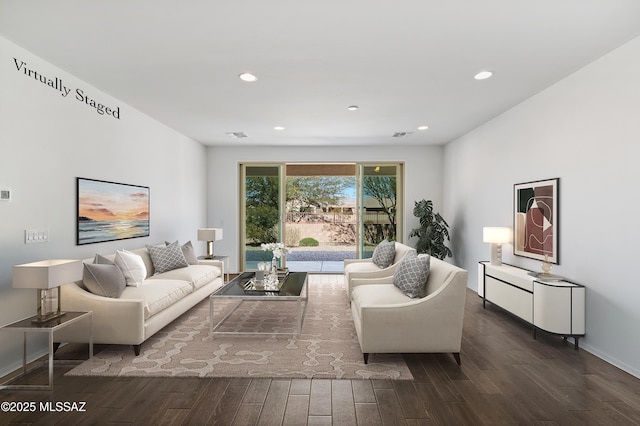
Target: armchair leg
[366,357]
[456,355]
[136,349]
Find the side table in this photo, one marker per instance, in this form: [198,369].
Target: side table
[27,326]
[223,258]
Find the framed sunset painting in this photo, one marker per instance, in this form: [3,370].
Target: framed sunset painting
[109,211]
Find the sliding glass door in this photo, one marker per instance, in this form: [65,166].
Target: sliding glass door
[261,199]
[379,201]
[319,211]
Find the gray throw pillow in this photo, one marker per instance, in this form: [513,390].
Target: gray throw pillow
[412,274]
[189,252]
[103,279]
[167,258]
[99,259]
[384,254]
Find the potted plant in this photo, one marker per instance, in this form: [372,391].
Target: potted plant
[432,231]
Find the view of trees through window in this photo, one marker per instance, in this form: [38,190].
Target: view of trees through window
[320,211]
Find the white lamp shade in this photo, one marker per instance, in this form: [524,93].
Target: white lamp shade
[209,234]
[496,235]
[47,273]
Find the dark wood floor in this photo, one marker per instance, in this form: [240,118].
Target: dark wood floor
[506,377]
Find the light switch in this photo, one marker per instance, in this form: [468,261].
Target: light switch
[36,236]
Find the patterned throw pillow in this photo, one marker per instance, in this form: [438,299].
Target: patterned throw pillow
[384,254]
[412,274]
[167,258]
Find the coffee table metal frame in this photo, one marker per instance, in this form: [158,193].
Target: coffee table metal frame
[249,296]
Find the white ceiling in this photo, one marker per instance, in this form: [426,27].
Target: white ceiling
[406,63]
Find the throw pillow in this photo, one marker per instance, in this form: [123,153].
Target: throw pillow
[167,258]
[384,254]
[188,251]
[412,274]
[132,266]
[103,279]
[99,259]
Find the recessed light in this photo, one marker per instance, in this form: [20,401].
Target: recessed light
[353,108]
[278,128]
[423,127]
[248,77]
[483,75]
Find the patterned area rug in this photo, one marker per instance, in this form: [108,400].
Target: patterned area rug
[327,347]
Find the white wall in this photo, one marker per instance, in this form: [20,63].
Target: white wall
[423,179]
[585,130]
[46,141]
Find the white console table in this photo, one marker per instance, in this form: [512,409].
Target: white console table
[554,306]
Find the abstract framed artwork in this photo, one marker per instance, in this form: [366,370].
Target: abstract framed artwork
[535,222]
[109,211]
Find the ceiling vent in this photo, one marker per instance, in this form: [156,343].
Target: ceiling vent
[236,135]
[402,134]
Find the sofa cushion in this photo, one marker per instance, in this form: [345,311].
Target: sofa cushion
[132,266]
[368,295]
[167,258]
[360,267]
[103,279]
[412,274]
[196,275]
[158,294]
[384,254]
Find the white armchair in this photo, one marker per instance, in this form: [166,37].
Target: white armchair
[365,268]
[387,321]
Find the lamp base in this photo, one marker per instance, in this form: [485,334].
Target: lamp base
[496,254]
[45,311]
[209,254]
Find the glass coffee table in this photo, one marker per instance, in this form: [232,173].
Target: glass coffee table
[292,288]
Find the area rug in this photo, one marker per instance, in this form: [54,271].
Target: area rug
[327,347]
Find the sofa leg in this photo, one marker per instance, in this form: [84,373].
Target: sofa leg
[456,355]
[366,357]
[136,349]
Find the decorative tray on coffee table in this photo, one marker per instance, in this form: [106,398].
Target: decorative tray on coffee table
[265,287]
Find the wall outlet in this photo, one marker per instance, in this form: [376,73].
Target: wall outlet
[5,195]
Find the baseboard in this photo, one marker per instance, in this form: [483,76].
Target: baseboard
[16,366]
[611,360]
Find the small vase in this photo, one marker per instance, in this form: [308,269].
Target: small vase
[274,266]
[546,265]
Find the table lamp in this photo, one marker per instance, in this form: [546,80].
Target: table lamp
[46,276]
[209,235]
[496,236]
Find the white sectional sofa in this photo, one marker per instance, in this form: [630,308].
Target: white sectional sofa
[141,311]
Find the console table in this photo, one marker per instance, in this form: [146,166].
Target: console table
[555,306]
